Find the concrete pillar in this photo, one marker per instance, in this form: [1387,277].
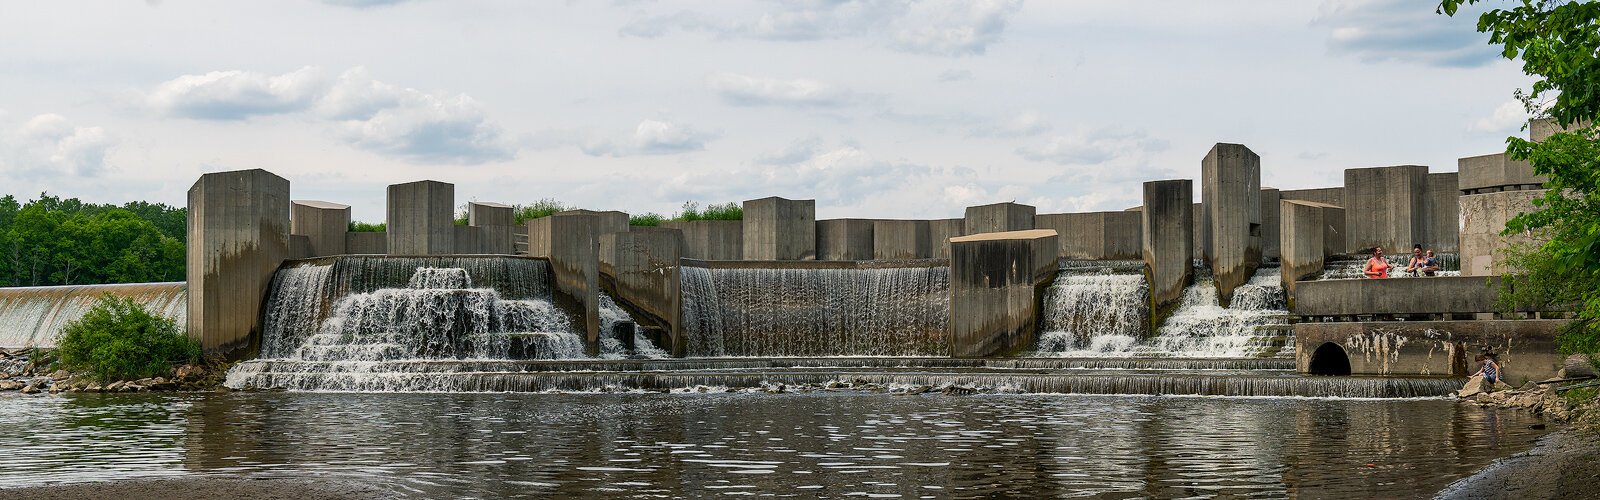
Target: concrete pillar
[497,223]
[421,218]
[844,239]
[1202,233]
[640,268]
[238,235]
[570,240]
[1167,225]
[1443,211]
[999,217]
[1386,207]
[711,239]
[902,239]
[780,229]
[1483,217]
[939,233]
[324,225]
[996,283]
[1231,195]
[1302,230]
[1269,224]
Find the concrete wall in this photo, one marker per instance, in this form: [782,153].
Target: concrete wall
[1483,217]
[1543,128]
[1443,211]
[366,243]
[421,218]
[497,223]
[1495,172]
[1168,239]
[238,233]
[1526,348]
[1302,230]
[1331,196]
[1386,206]
[571,241]
[322,223]
[844,239]
[1231,194]
[995,284]
[1269,224]
[1437,295]
[780,229]
[902,239]
[711,239]
[300,247]
[468,240]
[939,233]
[1096,235]
[999,217]
[1202,233]
[640,267]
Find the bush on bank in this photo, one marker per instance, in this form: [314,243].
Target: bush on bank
[119,340]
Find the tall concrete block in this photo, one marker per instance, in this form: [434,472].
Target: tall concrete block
[1443,211]
[902,239]
[238,231]
[497,223]
[939,233]
[640,268]
[1202,233]
[780,229]
[844,239]
[1483,217]
[366,243]
[1167,224]
[1302,230]
[1269,224]
[1387,207]
[996,283]
[711,239]
[421,218]
[322,223]
[1231,198]
[999,217]
[571,241]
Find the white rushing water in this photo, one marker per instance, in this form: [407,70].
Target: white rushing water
[35,316]
[1105,315]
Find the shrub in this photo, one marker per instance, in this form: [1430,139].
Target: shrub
[724,211]
[119,340]
[648,219]
[541,208]
[367,227]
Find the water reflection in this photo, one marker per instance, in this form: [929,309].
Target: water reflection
[507,445]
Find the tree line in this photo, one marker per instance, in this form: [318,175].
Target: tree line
[54,241]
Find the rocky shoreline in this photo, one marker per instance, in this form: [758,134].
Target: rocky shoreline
[1564,464]
[29,371]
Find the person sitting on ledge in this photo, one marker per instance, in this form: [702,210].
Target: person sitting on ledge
[1430,265]
[1414,266]
[1376,267]
[1489,368]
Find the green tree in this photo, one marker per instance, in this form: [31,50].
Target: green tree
[1558,42]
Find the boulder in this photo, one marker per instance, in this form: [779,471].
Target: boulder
[116,386]
[60,374]
[10,385]
[1475,386]
[1577,366]
[190,372]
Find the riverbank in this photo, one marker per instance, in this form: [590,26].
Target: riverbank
[32,371]
[1564,464]
[205,488]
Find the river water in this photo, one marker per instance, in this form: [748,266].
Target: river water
[826,444]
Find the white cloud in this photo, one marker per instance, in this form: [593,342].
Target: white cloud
[650,137]
[1093,147]
[49,145]
[744,90]
[1405,31]
[1509,116]
[237,95]
[1024,124]
[954,75]
[936,27]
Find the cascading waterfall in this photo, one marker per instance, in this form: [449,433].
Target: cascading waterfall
[816,312]
[1351,267]
[1200,327]
[612,347]
[1094,311]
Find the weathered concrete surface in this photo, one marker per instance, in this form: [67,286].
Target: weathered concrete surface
[1386,207]
[1542,128]
[939,233]
[1437,295]
[238,232]
[1443,211]
[468,240]
[1302,229]
[1526,348]
[1494,173]
[780,229]
[1096,235]
[1202,233]
[421,218]
[1269,224]
[1483,217]
[640,268]
[1168,236]
[995,284]
[1231,195]
[540,233]
[711,239]
[300,247]
[323,224]
[366,243]
[844,239]
[497,223]
[999,217]
[902,239]
[1331,196]
[571,242]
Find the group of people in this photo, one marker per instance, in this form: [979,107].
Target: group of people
[1421,264]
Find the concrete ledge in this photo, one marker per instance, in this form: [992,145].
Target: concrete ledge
[1526,348]
[996,281]
[814,264]
[1404,296]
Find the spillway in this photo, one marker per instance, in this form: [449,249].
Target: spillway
[34,316]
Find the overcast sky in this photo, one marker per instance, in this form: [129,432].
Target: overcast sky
[874,108]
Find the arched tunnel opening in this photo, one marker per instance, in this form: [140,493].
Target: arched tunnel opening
[1329,359]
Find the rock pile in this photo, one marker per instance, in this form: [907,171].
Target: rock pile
[26,371]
